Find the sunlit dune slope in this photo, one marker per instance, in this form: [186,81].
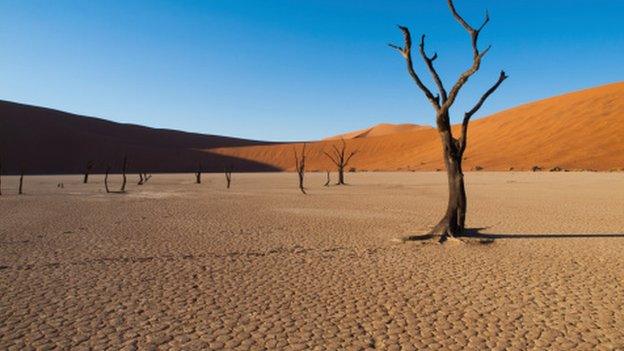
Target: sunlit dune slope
[580,130]
[379,130]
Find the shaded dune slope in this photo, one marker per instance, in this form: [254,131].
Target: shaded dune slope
[43,140]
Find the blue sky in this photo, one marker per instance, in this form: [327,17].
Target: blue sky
[291,70]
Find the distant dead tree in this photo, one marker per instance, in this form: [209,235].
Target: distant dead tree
[341,159]
[21,182]
[108,168]
[453,222]
[327,180]
[123,173]
[88,168]
[143,178]
[198,174]
[300,166]
[228,175]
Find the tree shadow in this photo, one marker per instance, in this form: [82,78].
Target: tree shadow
[476,234]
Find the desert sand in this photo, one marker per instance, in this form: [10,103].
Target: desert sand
[176,265]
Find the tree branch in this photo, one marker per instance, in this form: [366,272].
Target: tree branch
[331,158]
[434,74]
[477,55]
[469,114]
[407,54]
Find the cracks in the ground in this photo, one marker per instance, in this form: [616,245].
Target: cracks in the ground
[294,250]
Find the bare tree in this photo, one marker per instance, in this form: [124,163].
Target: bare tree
[453,222]
[90,165]
[341,159]
[328,180]
[228,175]
[141,180]
[198,174]
[123,173]
[108,168]
[21,182]
[300,166]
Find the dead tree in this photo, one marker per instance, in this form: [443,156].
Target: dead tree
[123,173]
[327,180]
[108,168]
[228,175]
[198,174]
[300,166]
[453,222]
[141,180]
[341,159]
[90,165]
[21,182]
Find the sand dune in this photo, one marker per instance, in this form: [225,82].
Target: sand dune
[43,140]
[581,130]
[379,130]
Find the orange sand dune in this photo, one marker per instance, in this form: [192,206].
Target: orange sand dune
[580,130]
[379,130]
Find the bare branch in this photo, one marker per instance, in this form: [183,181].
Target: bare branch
[331,158]
[477,55]
[429,62]
[469,114]
[406,52]
[349,157]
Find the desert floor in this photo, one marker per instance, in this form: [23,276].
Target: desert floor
[176,265]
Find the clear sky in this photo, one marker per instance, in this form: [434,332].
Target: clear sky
[291,70]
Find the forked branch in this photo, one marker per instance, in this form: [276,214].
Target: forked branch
[406,52]
[469,114]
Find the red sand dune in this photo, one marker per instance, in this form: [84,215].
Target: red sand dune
[379,130]
[580,130]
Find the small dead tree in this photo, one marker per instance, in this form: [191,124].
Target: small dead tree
[21,182]
[341,159]
[453,222]
[198,174]
[300,166]
[228,175]
[141,180]
[328,180]
[123,173]
[88,168]
[108,168]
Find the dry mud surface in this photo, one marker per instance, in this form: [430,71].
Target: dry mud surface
[176,265]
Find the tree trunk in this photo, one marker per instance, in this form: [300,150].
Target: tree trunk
[452,223]
[21,183]
[123,171]
[108,168]
[341,176]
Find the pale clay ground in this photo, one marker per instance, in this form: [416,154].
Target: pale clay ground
[175,265]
